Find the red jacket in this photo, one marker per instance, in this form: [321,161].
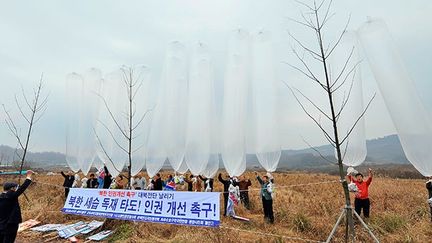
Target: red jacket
[363,188]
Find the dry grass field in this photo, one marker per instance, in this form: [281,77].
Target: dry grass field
[399,213]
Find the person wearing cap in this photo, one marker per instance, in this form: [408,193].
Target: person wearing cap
[266,197]
[361,201]
[429,188]
[10,211]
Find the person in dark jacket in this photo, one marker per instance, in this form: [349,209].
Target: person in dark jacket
[10,211]
[189,182]
[92,182]
[68,181]
[157,182]
[244,185]
[226,183]
[429,188]
[107,178]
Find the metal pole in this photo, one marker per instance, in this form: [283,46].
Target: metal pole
[366,227]
[336,225]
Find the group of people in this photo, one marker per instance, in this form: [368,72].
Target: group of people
[102,179]
[236,190]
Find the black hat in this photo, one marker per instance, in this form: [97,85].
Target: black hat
[9,185]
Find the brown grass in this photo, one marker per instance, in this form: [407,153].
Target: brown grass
[399,213]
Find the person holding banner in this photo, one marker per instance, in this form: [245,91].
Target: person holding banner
[266,196]
[226,183]
[10,211]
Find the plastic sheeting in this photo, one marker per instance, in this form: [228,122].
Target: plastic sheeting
[168,126]
[349,95]
[74,85]
[235,104]
[82,104]
[112,101]
[265,133]
[412,122]
[175,101]
[89,114]
[201,110]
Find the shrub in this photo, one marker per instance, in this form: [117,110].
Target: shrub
[301,222]
[389,223]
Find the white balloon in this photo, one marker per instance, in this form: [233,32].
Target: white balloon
[412,121]
[212,166]
[234,104]
[266,143]
[201,110]
[354,148]
[74,86]
[109,137]
[88,117]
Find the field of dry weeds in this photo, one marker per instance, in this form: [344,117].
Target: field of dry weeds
[399,213]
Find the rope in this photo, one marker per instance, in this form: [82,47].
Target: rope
[272,235]
[252,189]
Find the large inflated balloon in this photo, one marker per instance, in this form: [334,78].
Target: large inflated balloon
[350,96]
[234,104]
[412,122]
[265,105]
[109,137]
[201,110]
[89,112]
[74,86]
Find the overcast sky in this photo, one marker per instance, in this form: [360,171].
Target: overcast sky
[59,37]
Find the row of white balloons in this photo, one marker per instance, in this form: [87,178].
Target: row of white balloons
[184,127]
[181,124]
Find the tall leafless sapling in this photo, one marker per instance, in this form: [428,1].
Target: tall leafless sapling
[31,112]
[133,80]
[314,19]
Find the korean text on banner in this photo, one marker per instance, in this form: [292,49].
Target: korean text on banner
[169,207]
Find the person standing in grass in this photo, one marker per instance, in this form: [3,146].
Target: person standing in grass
[10,211]
[226,184]
[266,196]
[361,201]
[429,188]
[244,185]
[68,181]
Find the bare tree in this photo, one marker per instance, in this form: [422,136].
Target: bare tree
[314,19]
[133,80]
[31,112]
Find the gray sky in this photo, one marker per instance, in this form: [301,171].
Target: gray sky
[58,37]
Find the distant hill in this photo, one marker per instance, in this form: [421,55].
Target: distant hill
[385,150]
[37,159]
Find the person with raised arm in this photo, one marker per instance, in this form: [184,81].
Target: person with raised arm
[266,197]
[68,182]
[361,201]
[10,210]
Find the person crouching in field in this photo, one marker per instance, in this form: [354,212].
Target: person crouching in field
[429,188]
[266,196]
[10,211]
[361,201]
